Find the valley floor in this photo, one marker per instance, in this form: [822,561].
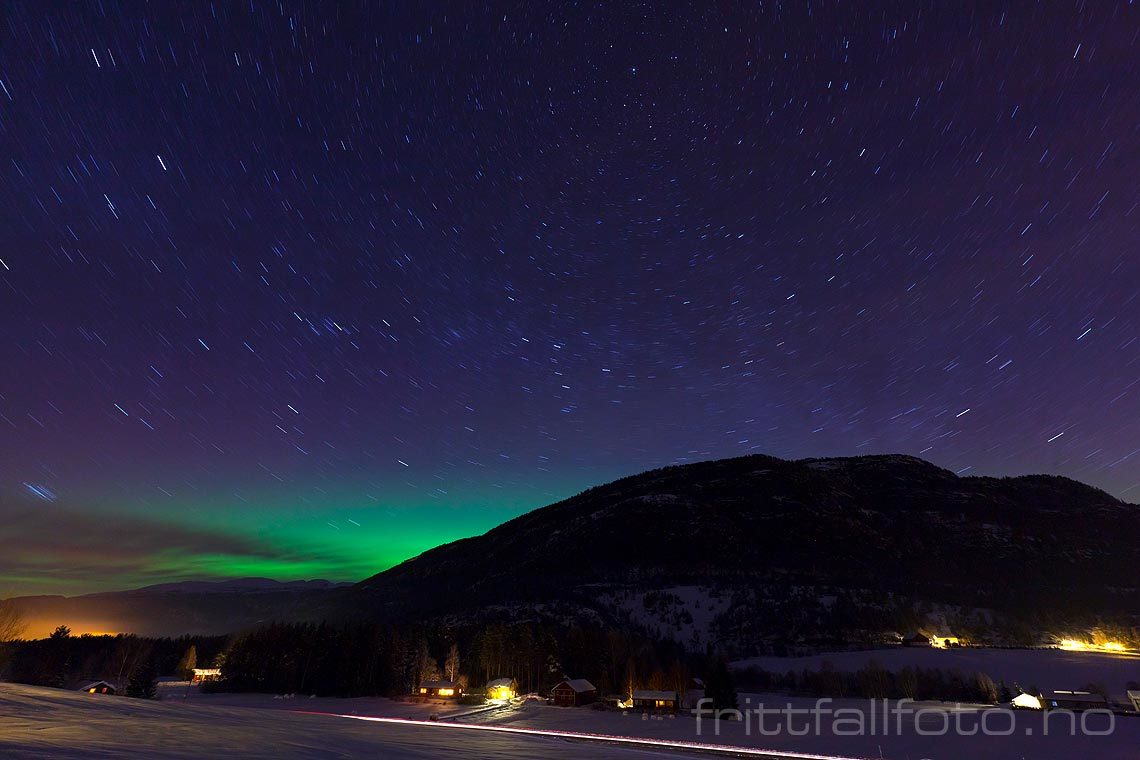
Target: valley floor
[1044,669]
[48,723]
[63,725]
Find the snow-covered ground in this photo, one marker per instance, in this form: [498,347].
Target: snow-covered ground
[49,723]
[684,614]
[1046,669]
[1025,740]
[63,725]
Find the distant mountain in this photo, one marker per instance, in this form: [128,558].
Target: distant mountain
[171,609]
[757,548]
[753,554]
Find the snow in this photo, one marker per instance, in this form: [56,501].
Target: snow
[63,725]
[579,684]
[1046,669]
[684,614]
[49,723]
[652,694]
[1122,744]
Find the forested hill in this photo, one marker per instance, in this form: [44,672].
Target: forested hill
[877,524]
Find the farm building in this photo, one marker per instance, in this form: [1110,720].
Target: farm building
[202,675]
[573,692]
[94,686]
[1075,700]
[439,689]
[916,639]
[502,688]
[694,694]
[648,699]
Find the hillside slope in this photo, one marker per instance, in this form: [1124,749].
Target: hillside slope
[873,528]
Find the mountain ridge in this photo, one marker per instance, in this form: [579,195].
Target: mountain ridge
[876,527]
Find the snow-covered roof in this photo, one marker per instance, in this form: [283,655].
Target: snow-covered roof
[1077,696]
[85,685]
[500,682]
[578,684]
[438,685]
[651,694]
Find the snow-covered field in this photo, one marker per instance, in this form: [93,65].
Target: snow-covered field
[1025,740]
[63,725]
[1046,669]
[49,723]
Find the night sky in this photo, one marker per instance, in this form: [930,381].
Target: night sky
[301,290]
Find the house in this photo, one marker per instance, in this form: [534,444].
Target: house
[439,689]
[1025,701]
[694,694]
[201,675]
[94,687]
[573,692]
[502,688]
[1134,700]
[1075,700]
[916,639]
[648,699]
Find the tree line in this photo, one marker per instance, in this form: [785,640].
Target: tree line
[360,659]
[371,659]
[872,681]
[61,659]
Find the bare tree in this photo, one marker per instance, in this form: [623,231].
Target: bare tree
[451,665]
[12,623]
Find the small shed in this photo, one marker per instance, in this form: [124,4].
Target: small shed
[573,692]
[95,687]
[502,688]
[649,699]
[1076,701]
[439,689]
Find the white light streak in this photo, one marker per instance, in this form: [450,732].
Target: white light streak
[604,738]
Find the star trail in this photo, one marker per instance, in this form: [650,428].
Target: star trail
[301,290]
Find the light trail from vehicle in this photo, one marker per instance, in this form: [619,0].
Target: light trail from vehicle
[631,741]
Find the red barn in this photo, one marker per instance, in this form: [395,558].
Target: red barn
[573,692]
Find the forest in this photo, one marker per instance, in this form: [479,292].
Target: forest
[366,659]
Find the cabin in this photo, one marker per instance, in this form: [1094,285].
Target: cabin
[573,692]
[502,688]
[693,694]
[202,675]
[1025,701]
[1134,700]
[916,639]
[439,689]
[649,699]
[1075,701]
[95,687]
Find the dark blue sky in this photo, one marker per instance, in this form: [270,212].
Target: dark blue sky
[301,289]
